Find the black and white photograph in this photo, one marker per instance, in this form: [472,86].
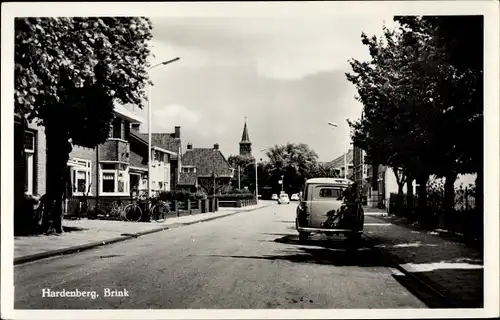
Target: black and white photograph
[309,159]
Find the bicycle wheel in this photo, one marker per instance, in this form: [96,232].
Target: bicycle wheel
[132,213]
[158,213]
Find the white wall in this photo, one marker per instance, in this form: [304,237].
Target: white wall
[391,184]
[160,172]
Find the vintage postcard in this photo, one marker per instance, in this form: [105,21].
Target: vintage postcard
[250,160]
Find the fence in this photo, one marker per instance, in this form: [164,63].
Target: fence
[462,219]
[237,203]
[74,206]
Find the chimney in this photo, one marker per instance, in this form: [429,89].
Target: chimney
[135,126]
[177,132]
[189,146]
[216,146]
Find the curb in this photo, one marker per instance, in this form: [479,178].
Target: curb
[430,285]
[124,237]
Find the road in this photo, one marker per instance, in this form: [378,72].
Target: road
[247,260]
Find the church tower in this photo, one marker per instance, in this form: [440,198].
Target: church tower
[245,144]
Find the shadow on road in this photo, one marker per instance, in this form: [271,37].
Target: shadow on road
[327,252]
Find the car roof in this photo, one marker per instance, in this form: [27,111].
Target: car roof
[330,181]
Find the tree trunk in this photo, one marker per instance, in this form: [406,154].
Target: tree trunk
[449,191]
[409,208]
[423,210]
[400,180]
[58,149]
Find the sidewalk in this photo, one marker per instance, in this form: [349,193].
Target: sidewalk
[85,234]
[451,269]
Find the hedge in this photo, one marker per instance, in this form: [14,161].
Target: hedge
[236,196]
[180,195]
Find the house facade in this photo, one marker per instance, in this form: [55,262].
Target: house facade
[205,169]
[30,155]
[120,164]
[338,164]
[110,170]
[170,142]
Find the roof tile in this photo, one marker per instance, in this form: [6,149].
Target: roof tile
[204,159]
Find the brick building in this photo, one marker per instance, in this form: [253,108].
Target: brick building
[201,166]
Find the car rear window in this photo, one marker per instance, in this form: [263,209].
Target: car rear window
[330,192]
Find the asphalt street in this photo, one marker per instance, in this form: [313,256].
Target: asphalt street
[247,260]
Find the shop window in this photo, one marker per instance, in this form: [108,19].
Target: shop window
[115,178]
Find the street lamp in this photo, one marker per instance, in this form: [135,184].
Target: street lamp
[256,179]
[150,178]
[345,153]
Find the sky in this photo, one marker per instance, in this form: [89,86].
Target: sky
[285,74]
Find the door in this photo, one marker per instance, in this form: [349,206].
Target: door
[325,201]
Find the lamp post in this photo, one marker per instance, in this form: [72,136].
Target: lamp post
[256,179]
[149,122]
[345,151]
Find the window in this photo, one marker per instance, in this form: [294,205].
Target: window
[108,182]
[80,176]
[29,141]
[127,130]
[29,151]
[117,128]
[189,169]
[331,193]
[114,178]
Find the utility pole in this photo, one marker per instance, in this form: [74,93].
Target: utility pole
[282,183]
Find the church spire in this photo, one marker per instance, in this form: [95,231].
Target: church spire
[244,136]
[245,144]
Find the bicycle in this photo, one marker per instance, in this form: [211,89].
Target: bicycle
[159,210]
[117,210]
[132,211]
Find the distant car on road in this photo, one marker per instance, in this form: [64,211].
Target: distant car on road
[284,199]
[294,197]
[274,196]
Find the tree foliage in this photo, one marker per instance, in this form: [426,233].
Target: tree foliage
[75,68]
[421,100]
[295,162]
[69,72]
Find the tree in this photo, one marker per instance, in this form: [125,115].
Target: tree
[417,104]
[69,72]
[462,94]
[246,167]
[214,186]
[295,162]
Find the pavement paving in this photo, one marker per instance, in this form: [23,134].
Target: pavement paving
[251,260]
[451,268]
[85,234]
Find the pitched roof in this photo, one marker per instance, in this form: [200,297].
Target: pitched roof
[166,141]
[244,136]
[204,159]
[339,161]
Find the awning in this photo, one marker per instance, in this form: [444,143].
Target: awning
[72,163]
